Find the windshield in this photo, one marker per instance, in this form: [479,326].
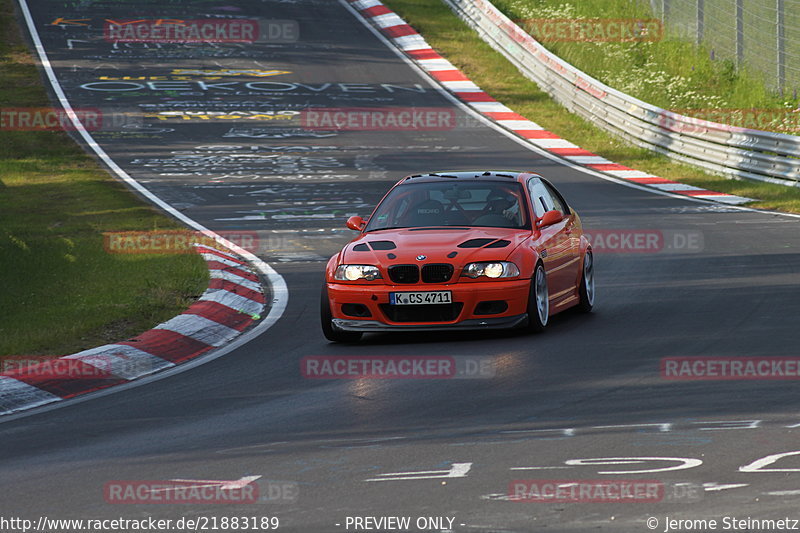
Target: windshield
[492,204]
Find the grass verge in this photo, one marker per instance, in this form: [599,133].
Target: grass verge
[494,74]
[61,292]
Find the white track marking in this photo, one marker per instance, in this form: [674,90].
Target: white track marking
[589,159]
[759,464]
[388,20]
[218,259]
[200,328]
[568,432]
[730,424]
[234,278]
[462,86]
[685,463]
[232,300]
[457,470]
[715,487]
[520,125]
[223,485]
[23,396]
[122,360]
[663,427]
[628,174]
[539,467]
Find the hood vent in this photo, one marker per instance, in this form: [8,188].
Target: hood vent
[475,243]
[382,245]
[485,243]
[376,245]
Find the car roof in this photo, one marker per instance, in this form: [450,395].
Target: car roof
[472,175]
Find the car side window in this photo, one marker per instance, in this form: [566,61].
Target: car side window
[541,198]
[558,202]
[391,216]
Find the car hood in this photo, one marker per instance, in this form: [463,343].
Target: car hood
[438,245]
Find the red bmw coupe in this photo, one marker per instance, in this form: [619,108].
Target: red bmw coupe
[459,250]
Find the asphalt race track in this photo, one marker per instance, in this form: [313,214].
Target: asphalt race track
[588,388]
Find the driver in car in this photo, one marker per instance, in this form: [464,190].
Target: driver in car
[503,203]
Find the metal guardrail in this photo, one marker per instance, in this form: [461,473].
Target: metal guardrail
[729,150]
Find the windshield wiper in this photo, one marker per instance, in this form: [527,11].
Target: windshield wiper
[426,228]
[390,227]
[418,228]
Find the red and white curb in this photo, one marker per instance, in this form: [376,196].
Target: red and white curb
[419,51]
[233,301]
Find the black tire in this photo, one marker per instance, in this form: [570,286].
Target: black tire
[326,318]
[538,308]
[586,291]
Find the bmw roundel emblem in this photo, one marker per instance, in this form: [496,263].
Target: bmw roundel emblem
[422,257]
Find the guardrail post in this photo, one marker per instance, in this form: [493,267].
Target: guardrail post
[739,33]
[780,44]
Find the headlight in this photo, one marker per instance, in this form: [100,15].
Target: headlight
[356,272]
[500,269]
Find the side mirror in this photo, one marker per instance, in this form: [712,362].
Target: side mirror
[550,218]
[356,222]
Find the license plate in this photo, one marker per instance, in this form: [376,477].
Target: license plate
[420,298]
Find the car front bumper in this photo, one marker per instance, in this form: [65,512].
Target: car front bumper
[367,326]
[468,299]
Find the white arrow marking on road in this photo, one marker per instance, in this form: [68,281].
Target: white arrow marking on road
[223,484]
[759,464]
[457,470]
[714,486]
